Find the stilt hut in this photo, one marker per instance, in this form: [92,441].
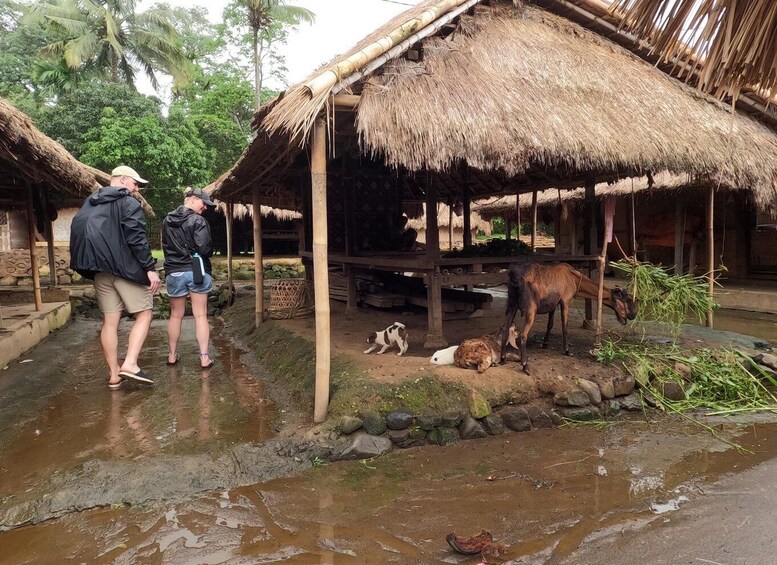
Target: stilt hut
[661,219]
[455,100]
[37,178]
[451,226]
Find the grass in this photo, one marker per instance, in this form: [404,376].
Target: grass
[718,381]
[665,298]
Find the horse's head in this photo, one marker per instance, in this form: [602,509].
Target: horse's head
[624,305]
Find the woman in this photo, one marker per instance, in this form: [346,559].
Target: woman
[187,247]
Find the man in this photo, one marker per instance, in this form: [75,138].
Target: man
[108,244]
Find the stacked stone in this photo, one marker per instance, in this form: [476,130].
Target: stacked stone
[575,399]
[15,267]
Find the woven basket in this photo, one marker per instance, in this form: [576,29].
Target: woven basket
[290,298]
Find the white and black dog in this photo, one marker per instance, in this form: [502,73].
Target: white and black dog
[395,333]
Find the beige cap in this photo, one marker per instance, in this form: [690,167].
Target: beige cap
[124,171]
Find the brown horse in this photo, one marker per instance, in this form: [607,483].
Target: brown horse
[539,288]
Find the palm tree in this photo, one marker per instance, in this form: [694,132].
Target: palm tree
[262,16]
[110,36]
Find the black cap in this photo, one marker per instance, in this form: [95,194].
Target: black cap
[201,194]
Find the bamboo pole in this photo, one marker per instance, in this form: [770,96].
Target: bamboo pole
[679,237]
[534,220]
[327,79]
[52,255]
[33,255]
[633,223]
[230,215]
[589,238]
[710,250]
[609,216]
[518,216]
[466,205]
[450,224]
[258,260]
[320,268]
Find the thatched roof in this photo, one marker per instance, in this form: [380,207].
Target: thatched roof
[443,215]
[504,206]
[28,155]
[246,210]
[520,95]
[728,43]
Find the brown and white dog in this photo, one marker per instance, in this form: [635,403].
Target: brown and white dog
[395,333]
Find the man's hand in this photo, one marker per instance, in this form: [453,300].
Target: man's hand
[153,278]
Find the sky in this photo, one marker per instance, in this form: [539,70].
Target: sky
[339,25]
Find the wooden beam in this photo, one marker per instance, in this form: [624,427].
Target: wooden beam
[258,260]
[434,337]
[466,197]
[33,255]
[230,215]
[534,220]
[589,237]
[49,241]
[710,249]
[320,268]
[679,236]
[609,219]
[346,101]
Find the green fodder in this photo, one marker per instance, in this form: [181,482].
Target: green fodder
[719,381]
[666,298]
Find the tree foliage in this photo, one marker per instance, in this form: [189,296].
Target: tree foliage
[109,37]
[76,112]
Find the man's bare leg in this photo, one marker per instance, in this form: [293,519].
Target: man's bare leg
[109,340]
[137,337]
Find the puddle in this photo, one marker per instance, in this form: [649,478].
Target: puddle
[66,416]
[541,493]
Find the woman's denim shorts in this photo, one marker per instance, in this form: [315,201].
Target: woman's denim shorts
[181,284]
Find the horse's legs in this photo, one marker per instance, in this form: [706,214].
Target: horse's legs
[510,311]
[528,322]
[550,327]
[564,327]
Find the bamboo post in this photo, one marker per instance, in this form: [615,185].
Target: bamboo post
[467,241]
[320,268]
[518,216]
[534,220]
[52,255]
[609,216]
[589,237]
[33,255]
[450,224]
[49,241]
[230,214]
[434,336]
[633,223]
[679,236]
[508,227]
[258,260]
[710,249]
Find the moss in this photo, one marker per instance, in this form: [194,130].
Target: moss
[291,360]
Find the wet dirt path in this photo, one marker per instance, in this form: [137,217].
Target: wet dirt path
[59,421]
[546,495]
[541,493]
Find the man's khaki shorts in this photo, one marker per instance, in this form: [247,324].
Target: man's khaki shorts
[115,294]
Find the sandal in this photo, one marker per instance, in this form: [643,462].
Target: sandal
[209,365]
[117,385]
[177,358]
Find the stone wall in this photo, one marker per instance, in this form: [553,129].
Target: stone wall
[15,266]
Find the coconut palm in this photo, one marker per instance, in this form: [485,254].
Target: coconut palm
[110,36]
[262,15]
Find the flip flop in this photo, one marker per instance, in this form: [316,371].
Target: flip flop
[177,358]
[140,376]
[116,386]
[209,365]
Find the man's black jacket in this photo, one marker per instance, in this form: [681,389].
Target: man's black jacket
[108,235]
[184,233]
